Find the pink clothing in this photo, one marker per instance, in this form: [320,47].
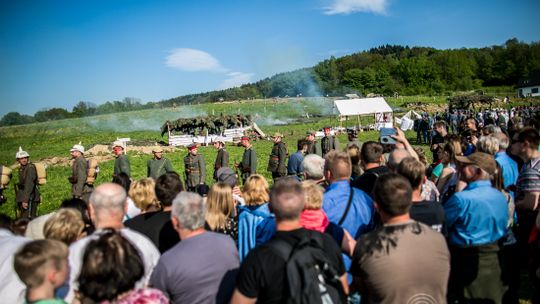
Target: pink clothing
[314,220]
[142,296]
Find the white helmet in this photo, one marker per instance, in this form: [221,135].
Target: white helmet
[118,143]
[78,147]
[22,154]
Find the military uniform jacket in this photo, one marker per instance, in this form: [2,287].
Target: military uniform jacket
[157,167]
[222,160]
[27,187]
[121,165]
[276,163]
[314,147]
[195,170]
[248,165]
[329,143]
[79,172]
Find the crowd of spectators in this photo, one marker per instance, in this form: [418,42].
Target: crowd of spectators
[390,226]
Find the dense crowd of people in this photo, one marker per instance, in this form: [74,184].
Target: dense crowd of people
[372,223]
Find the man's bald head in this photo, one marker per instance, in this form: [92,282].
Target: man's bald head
[108,197]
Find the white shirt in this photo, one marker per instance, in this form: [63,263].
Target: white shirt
[12,289]
[149,254]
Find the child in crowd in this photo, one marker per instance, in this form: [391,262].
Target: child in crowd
[42,266]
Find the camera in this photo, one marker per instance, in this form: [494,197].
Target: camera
[385,135]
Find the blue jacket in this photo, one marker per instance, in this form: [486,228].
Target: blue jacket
[509,167]
[294,166]
[256,225]
[360,216]
[478,215]
[359,219]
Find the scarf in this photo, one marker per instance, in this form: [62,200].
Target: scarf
[314,220]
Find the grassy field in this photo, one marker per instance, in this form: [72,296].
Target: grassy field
[55,138]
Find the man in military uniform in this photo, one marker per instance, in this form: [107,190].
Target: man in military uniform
[278,156]
[79,172]
[121,163]
[195,168]
[158,165]
[248,166]
[26,190]
[313,147]
[222,158]
[328,142]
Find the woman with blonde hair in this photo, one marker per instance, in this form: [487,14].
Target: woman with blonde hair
[143,194]
[256,224]
[256,190]
[314,218]
[221,213]
[65,225]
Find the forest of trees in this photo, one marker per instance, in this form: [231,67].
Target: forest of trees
[385,70]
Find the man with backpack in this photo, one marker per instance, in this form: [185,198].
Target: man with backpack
[27,191]
[278,271]
[79,173]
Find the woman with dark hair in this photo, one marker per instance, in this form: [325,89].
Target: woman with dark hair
[124,181]
[111,267]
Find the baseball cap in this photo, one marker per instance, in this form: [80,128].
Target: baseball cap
[483,160]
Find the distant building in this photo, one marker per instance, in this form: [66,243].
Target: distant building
[529,87]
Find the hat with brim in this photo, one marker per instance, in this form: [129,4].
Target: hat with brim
[192,146]
[77,147]
[157,150]
[482,160]
[22,154]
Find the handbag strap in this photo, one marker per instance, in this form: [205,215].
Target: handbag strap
[351,194]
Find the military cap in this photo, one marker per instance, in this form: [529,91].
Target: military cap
[192,146]
[277,134]
[21,153]
[77,147]
[157,150]
[311,132]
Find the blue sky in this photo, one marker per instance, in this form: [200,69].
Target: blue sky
[57,53]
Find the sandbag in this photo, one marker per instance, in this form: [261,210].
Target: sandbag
[93,170]
[5,176]
[41,170]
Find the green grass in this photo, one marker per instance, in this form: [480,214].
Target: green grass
[43,142]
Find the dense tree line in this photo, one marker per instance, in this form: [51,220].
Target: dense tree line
[386,70]
[392,69]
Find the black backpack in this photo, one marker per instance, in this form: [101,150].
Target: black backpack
[310,276]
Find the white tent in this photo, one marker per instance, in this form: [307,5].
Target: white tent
[366,106]
[407,121]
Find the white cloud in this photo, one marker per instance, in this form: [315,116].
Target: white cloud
[235,79]
[193,60]
[354,6]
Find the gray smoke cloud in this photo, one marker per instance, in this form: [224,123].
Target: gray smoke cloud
[146,120]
